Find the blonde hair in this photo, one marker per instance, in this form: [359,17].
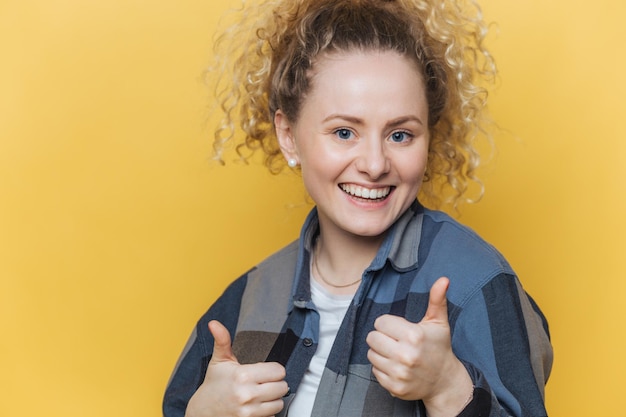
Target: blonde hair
[267,57]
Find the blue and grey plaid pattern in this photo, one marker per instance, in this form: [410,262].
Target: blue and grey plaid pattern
[498,332]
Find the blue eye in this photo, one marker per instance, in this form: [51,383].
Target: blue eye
[343,134]
[399,137]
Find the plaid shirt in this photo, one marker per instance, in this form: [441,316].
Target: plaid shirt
[498,332]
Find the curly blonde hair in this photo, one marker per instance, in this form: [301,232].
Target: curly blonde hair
[267,56]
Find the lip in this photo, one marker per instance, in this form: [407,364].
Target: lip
[365,193]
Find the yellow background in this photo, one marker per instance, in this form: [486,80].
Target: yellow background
[116,233]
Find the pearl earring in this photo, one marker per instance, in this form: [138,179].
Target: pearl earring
[292,162]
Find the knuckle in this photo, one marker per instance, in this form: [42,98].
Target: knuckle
[243,396]
[410,358]
[399,390]
[402,374]
[242,376]
[244,412]
[415,336]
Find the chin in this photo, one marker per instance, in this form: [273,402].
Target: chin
[368,232]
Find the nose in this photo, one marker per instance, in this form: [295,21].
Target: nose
[373,159]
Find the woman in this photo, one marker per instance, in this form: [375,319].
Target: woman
[382,307]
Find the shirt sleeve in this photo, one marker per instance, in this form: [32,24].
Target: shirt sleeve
[193,362]
[502,338]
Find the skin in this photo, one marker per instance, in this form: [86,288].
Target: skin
[415,360]
[363,126]
[234,390]
[342,139]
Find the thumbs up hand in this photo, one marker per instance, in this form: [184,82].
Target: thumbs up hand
[414,361]
[232,389]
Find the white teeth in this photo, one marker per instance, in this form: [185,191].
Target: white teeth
[370,194]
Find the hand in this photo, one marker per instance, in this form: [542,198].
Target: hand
[414,361]
[233,390]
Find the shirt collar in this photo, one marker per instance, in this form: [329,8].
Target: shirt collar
[400,248]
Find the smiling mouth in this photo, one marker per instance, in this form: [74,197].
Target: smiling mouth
[366,193]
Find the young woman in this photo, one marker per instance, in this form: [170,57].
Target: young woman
[382,307]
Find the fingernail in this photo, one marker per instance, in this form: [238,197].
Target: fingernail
[288,392]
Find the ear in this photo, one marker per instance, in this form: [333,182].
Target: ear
[284,133]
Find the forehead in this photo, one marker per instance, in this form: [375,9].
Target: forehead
[363,70]
[359,79]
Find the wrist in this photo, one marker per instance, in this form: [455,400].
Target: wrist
[453,397]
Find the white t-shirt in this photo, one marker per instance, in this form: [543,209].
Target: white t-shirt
[332,309]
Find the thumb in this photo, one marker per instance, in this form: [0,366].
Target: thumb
[222,351]
[437,303]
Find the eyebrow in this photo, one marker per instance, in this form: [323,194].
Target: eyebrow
[392,123]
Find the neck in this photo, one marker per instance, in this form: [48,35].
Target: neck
[339,261]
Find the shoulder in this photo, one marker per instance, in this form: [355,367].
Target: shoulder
[262,285]
[267,294]
[283,260]
[444,237]
[440,228]
[270,282]
[449,248]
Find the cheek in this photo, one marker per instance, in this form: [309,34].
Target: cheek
[313,177]
[321,173]
[323,161]
[411,169]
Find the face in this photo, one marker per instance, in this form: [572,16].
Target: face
[361,140]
